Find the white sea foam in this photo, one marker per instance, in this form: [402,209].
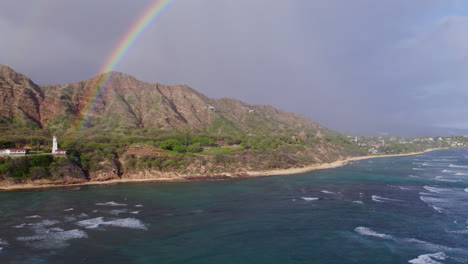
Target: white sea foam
[457,166]
[448,171]
[459,232]
[46,223]
[139,205]
[135,212]
[309,198]
[440,178]
[358,202]
[68,210]
[438,209]
[33,216]
[429,258]
[419,169]
[466,190]
[431,200]
[19,226]
[461,174]
[369,232]
[52,238]
[381,199]
[111,203]
[117,212]
[123,223]
[436,190]
[91,223]
[328,192]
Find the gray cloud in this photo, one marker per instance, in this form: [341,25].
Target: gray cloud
[359,66]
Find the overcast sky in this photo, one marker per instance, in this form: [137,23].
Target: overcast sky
[365,67]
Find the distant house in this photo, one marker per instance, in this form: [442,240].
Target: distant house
[13,151]
[60,151]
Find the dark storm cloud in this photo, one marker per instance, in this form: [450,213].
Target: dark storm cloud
[357,66]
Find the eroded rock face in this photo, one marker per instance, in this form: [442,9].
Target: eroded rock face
[121,100]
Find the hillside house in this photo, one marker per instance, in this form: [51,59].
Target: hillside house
[13,151]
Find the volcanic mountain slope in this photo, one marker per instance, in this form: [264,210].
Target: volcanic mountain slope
[127,102]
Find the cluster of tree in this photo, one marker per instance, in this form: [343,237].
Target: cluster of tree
[32,167]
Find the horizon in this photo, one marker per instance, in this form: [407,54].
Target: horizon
[357,68]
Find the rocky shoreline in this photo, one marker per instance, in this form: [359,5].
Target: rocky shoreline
[171,177]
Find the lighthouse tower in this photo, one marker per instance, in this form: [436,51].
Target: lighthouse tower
[54,145]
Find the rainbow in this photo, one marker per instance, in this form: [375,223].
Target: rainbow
[119,51]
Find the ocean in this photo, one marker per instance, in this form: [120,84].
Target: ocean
[411,209]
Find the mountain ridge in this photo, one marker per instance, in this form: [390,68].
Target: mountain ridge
[138,104]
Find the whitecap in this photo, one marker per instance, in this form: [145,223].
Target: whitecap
[309,198]
[135,212]
[33,216]
[438,209]
[111,203]
[430,200]
[52,238]
[68,210]
[82,215]
[435,189]
[440,178]
[139,205]
[381,199]
[123,223]
[448,171]
[369,232]
[459,231]
[91,223]
[19,226]
[117,212]
[461,174]
[429,258]
[127,223]
[358,202]
[419,169]
[466,190]
[328,192]
[457,166]
[46,223]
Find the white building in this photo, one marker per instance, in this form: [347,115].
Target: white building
[55,149]
[15,151]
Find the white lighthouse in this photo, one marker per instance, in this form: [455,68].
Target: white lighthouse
[55,149]
[54,145]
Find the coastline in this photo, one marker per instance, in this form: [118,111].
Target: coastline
[186,178]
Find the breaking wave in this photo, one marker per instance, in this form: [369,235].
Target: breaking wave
[369,232]
[435,189]
[429,258]
[440,178]
[33,216]
[94,223]
[381,199]
[309,198]
[328,192]
[457,166]
[53,238]
[111,203]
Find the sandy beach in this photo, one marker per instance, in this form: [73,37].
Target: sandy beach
[186,178]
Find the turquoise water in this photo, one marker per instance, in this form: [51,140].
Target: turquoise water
[386,210]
